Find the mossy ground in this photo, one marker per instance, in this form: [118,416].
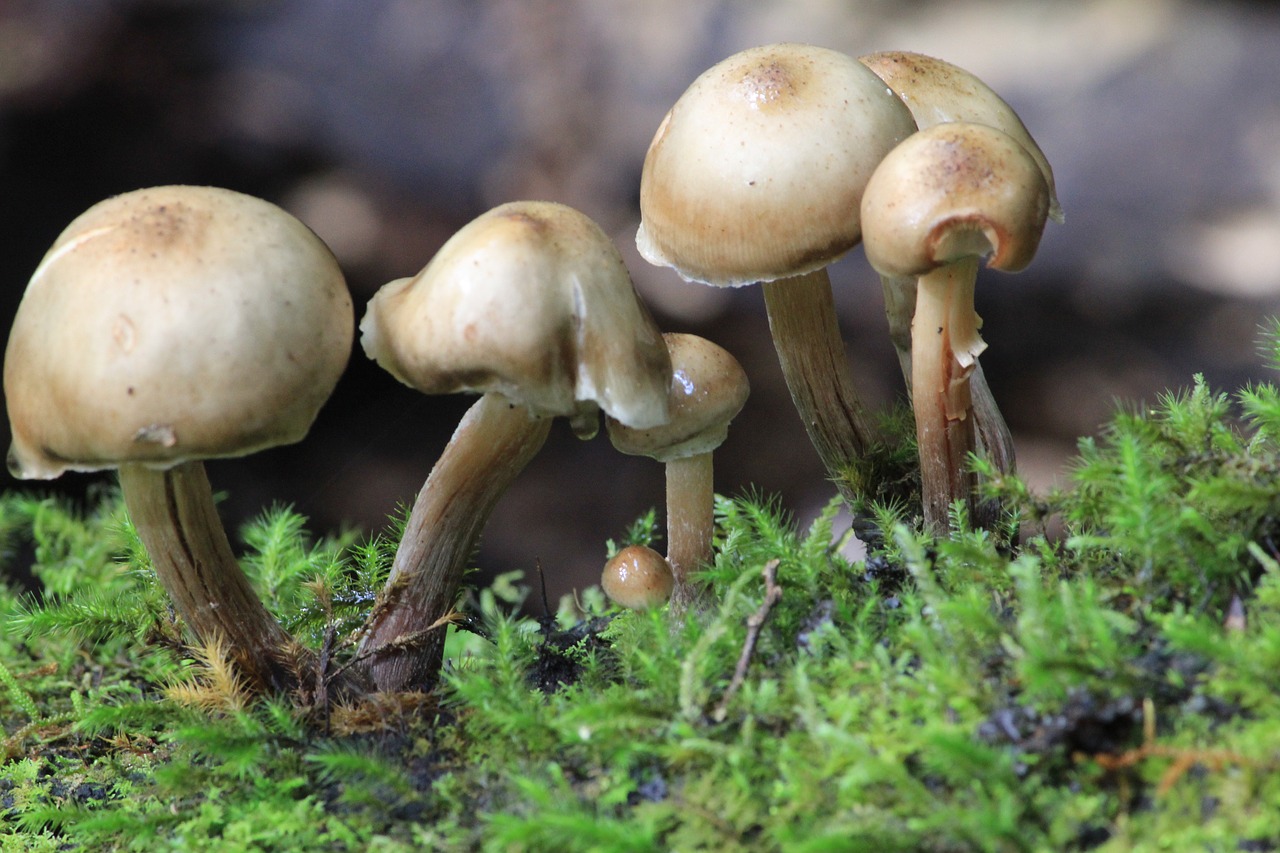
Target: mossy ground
[1111,685]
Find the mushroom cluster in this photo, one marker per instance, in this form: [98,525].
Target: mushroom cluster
[531,306]
[949,196]
[992,191]
[756,175]
[759,173]
[175,324]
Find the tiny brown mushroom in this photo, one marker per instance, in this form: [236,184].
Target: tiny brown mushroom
[755,175]
[941,201]
[530,306]
[708,389]
[163,327]
[638,578]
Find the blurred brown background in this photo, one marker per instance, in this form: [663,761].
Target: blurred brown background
[387,124]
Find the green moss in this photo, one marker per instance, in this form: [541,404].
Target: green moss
[1112,686]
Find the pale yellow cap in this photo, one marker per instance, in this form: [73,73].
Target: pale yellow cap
[708,389]
[530,300]
[937,91]
[952,191]
[170,324]
[757,171]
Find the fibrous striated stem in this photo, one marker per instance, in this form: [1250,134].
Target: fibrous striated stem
[945,345]
[493,443]
[811,352]
[174,514]
[994,440]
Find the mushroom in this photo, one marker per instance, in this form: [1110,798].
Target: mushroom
[163,327]
[935,92]
[530,306]
[942,200]
[638,578]
[708,389]
[755,175]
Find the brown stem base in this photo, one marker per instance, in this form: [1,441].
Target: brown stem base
[404,639]
[174,514]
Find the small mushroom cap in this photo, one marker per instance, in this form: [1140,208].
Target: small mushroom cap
[638,578]
[952,191]
[708,389]
[171,324]
[530,300]
[937,91]
[757,171]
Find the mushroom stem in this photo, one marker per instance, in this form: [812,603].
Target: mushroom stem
[177,521]
[899,308]
[405,634]
[993,438]
[690,522]
[944,353]
[806,335]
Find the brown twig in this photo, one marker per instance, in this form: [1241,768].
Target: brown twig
[404,641]
[772,593]
[1183,758]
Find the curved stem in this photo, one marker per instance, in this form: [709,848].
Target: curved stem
[806,335]
[690,523]
[943,354]
[995,441]
[177,521]
[493,443]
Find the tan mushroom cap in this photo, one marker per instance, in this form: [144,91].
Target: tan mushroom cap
[952,191]
[638,578]
[937,91]
[757,171]
[172,324]
[708,389]
[530,300]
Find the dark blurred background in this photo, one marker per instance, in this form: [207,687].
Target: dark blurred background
[387,124]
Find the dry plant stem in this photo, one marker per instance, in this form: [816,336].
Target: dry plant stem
[177,521]
[802,318]
[994,440]
[944,351]
[493,443]
[772,595]
[690,521]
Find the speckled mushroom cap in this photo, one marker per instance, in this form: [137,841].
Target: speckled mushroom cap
[757,171]
[171,324]
[951,191]
[936,91]
[530,300]
[708,389]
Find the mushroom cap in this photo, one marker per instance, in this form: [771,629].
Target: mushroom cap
[757,171]
[953,191]
[171,324]
[708,389]
[937,91]
[638,578]
[530,300]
